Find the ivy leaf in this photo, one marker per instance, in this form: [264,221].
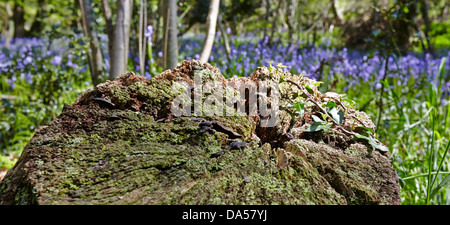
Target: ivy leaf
[318,126]
[337,115]
[366,128]
[330,105]
[372,142]
[317,119]
[351,102]
[309,89]
[300,106]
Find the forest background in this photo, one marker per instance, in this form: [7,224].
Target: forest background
[389,57]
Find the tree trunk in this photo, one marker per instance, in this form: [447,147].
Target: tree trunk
[95,54]
[211,22]
[226,42]
[170,40]
[339,18]
[275,15]
[142,38]
[426,20]
[19,21]
[38,25]
[403,27]
[8,31]
[291,19]
[121,36]
[109,25]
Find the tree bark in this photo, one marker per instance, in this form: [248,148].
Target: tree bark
[170,40]
[121,36]
[95,54]
[426,20]
[291,19]
[337,13]
[211,22]
[226,42]
[8,31]
[19,20]
[142,38]
[38,25]
[109,25]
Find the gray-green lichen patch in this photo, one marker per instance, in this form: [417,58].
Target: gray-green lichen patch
[120,144]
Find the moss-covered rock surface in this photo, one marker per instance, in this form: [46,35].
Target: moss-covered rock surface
[121,144]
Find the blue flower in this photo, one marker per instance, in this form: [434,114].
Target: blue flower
[149,34]
[28,60]
[28,78]
[149,31]
[56,60]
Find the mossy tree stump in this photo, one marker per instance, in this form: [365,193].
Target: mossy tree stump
[120,144]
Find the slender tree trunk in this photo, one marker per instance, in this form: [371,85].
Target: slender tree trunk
[38,24]
[291,19]
[95,54]
[299,27]
[275,15]
[426,20]
[109,26]
[142,38]
[170,35]
[121,38]
[339,18]
[8,31]
[211,22]
[19,21]
[226,42]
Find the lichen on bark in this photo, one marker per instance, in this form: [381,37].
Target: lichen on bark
[120,144]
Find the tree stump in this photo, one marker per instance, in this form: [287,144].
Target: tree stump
[121,143]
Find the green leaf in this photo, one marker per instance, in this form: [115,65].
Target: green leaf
[351,102]
[318,126]
[330,105]
[366,128]
[405,9]
[300,106]
[309,89]
[337,115]
[372,142]
[397,157]
[317,119]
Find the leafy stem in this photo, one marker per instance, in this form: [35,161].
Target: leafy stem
[373,142]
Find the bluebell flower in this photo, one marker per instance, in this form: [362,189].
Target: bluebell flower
[149,34]
[28,60]
[28,78]
[56,60]
[147,75]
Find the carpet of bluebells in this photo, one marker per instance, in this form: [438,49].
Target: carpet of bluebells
[39,75]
